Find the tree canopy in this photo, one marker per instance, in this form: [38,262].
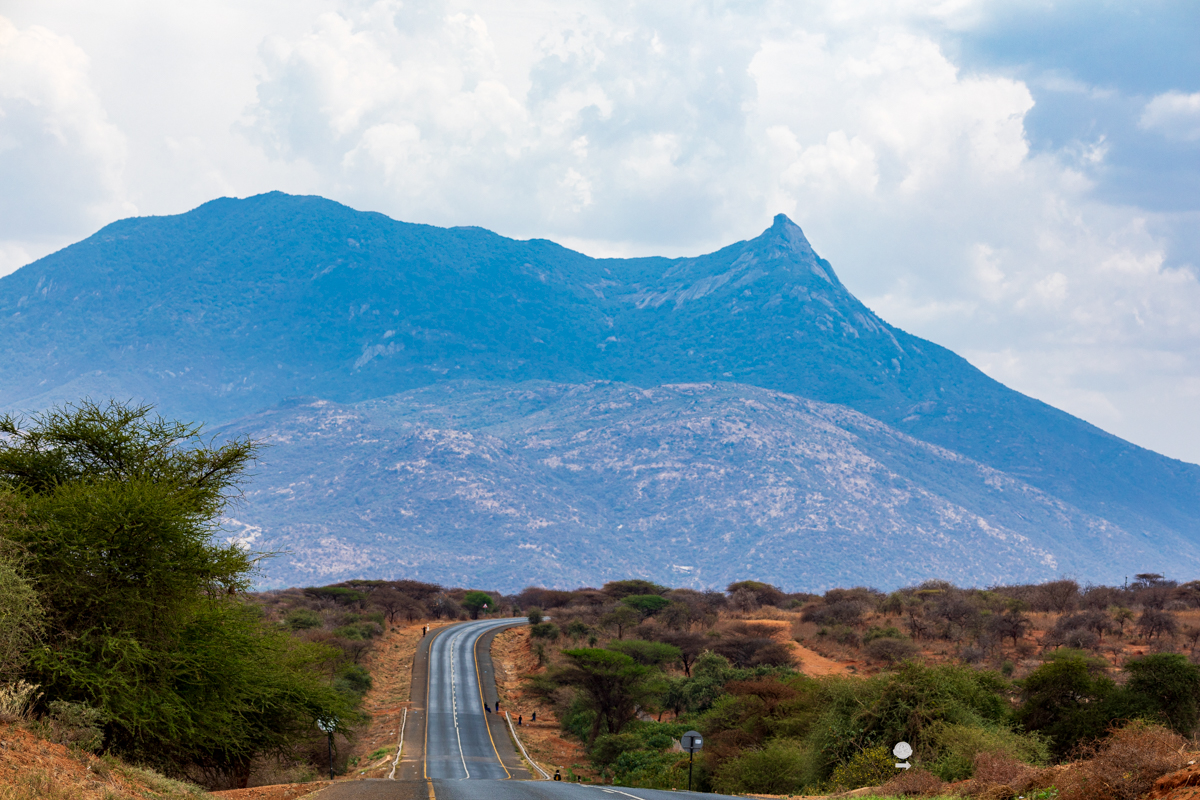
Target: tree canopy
[117,511]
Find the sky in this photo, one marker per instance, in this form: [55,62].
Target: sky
[1016,180]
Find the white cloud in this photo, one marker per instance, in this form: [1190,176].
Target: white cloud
[61,159]
[625,129]
[1174,114]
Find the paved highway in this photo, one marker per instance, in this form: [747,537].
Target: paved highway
[465,757]
[459,743]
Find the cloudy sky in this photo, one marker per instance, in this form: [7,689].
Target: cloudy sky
[1018,180]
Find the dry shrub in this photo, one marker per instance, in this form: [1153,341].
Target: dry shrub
[1002,768]
[914,782]
[1125,765]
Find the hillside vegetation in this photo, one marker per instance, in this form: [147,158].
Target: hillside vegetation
[991,687]
[241,305]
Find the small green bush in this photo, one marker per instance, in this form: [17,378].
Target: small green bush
[608,748]
[353,679]
[76,725]
[889,632]
[781,766]
[303,619]
[951,749]
[891,651]
[871,767]
[545,630]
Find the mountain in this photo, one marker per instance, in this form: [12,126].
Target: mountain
[691,484]
[230,308]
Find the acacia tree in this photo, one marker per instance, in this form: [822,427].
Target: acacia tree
[612,684]
[477,601]
[21,614]
[117,510]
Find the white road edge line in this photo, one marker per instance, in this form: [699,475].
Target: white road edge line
[617,791]
[454,703]
[400,748]
[525,752]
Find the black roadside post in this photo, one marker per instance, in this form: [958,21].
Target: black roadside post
[691,741]
[329,726]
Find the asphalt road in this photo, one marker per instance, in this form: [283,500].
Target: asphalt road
[467,753]
[459,742]
[494,790]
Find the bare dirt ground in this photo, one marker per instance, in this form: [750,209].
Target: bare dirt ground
[31,767]
[513,658]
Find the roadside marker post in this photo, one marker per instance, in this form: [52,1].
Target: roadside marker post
[902,751]
[329,726]
[691,741]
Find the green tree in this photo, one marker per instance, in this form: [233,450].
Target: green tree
[476,602]
[21,616]
[647,605]
[117,511]
[1162,687]
[1064,699]
[621,617]
[650,654]
[619,589]
[611,684]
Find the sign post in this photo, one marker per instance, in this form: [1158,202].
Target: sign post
[329,726]
[691,741]
[902,751]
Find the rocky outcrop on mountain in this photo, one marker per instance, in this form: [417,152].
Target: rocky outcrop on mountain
[239,304]
[698,485]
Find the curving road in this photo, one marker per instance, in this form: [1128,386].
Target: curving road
[459,751]
[459,742]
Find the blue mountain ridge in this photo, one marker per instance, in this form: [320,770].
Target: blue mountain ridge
[227,309]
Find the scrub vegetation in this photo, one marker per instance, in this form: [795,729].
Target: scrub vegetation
[995,689]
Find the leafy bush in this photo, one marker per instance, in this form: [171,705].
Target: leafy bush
[651,654]
[75,725]
[780,767]
[1064,699]
[353,679]
[21,614]
[545,630]
[303,619]
[534,616]
[646,604]
[1164,687]
[874,633]
[891,651]
[954,749]
[608,748]
[870,767]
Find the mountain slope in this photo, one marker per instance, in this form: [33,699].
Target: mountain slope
[699,484]
[239,303]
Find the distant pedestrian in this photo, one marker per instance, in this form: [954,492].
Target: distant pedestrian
[520,721]
[497,703]
[485,708]
[534,717]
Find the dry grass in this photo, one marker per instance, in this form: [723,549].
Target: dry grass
[16,700]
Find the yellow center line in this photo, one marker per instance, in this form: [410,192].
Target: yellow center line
[479,680]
